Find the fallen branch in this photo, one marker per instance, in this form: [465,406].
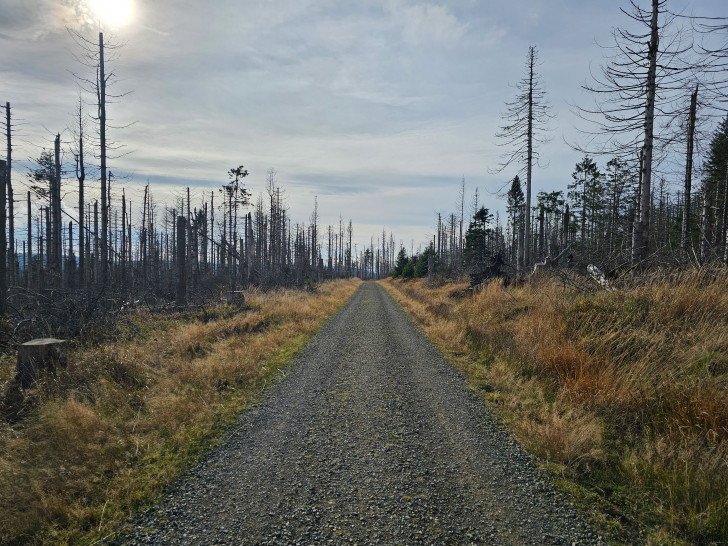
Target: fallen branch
[549,261]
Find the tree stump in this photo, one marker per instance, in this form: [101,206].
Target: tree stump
[235,297]
[36,356]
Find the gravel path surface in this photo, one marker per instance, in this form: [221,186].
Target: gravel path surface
[371,438]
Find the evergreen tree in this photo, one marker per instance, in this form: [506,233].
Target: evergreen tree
[409,270]
[515,202]
[41,176]
[714,190]
[400,264]
[617,181]
[586,194]
[421,267]
[477,251]
[550,207]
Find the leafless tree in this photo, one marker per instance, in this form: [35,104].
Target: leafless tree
[80,161]
[526,126]
[95,55]
[9,184]
[647,71]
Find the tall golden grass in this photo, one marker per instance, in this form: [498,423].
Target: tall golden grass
[623,392]
[104,436]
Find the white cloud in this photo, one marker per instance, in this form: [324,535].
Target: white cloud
[378,107]
[427,25]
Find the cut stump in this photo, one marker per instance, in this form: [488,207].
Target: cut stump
[235,297]
[39,355]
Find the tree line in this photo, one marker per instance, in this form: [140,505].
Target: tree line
[103,253]
[657,120]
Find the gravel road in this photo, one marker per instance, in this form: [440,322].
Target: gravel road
[370,438]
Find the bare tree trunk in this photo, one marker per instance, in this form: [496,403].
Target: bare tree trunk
[96,241]
[541,238]
[41,248]
[181,295]
[529,159]
[109,231]
[56,262]
[689,170]
[81,176]
[129,254]
[49,239]
[640,234]
[461,242]
[349,265]
[706,240]
[204,239]
[521,246]
[212,231]
[723,248]
[143,238]
[70,265]
[123,240]
[29,250]
[3,240]
[102,144]
[8,181]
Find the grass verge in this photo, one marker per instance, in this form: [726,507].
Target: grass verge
[622,394]
[103,437]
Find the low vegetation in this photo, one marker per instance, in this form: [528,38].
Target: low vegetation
[623,394]
[98,440]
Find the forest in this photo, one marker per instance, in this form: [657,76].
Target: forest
[591,318]
[88,261]
[650,190]
[657,122]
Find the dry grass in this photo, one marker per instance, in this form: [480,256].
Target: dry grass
[625,391]
[102,437]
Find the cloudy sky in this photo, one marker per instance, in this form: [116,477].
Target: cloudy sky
[378,107]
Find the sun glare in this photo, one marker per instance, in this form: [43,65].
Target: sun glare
[113,12]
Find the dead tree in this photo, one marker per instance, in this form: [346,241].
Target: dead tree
[527,123]
[101,96]
[640,84]
[94,55]
[11,214]
[3,240]
[640,234]
[181,294]
[81,177]
[56,252]
[29,250]
[689,169]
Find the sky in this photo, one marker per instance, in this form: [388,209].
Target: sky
[376,108]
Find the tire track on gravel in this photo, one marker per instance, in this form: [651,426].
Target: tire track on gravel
[371,438]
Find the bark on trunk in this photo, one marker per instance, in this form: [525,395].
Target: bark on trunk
[640,233]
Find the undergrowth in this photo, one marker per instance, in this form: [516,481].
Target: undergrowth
[98,440]
[623,394]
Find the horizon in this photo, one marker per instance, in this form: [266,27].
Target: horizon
[378,110]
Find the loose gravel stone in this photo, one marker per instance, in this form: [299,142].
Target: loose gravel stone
[371,438]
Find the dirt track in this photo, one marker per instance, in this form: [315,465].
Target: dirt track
[371,438]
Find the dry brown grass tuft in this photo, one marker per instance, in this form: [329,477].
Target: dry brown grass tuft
[101,438]
[628,390]
[572,438]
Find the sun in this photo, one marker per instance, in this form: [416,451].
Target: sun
[113,12]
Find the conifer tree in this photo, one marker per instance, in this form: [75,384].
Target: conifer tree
[477,237]
[715,185]
[585,194]
[515,201]
[526,126]
[400,264]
